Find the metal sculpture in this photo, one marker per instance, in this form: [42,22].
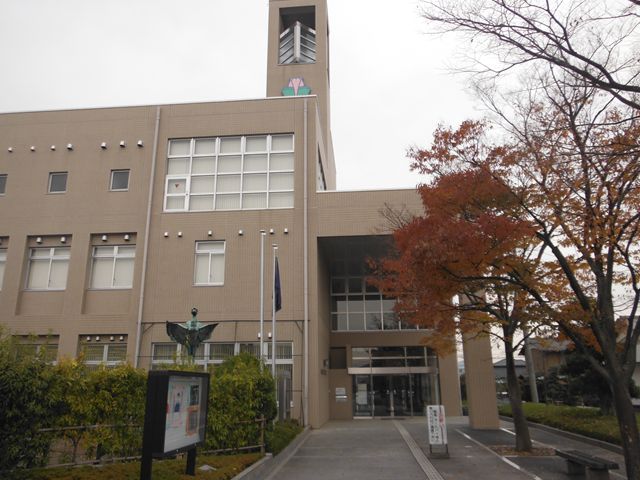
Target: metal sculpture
[190,334]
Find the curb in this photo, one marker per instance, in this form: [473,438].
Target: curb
[264,467]
[573,436]
[247,471]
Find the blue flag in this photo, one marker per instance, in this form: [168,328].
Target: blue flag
[277,292]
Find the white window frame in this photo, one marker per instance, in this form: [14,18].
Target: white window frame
[66,180]
[105,353]
[269,192]
[119,170]
[3,265]
[3,184]
[115,255]
[52,258]
[210,255]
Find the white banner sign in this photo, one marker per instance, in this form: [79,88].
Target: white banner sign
[436,425]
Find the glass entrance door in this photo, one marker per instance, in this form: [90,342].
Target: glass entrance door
[362,396]
[397,395]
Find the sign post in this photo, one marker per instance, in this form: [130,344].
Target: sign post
[437,429]
[175,418]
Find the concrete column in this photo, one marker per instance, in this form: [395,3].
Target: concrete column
[480,381]
[450,384]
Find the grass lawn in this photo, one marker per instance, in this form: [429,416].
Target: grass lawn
[227,466]
[583,420]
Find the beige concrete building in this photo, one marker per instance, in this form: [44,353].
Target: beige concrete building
[116,220]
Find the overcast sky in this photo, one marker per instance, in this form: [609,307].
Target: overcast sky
[389,80]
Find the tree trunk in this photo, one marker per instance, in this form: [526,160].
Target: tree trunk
[523,439]
[606,404]
[628,427]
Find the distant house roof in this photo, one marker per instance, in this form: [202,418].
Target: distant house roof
[547,345]
[503,363]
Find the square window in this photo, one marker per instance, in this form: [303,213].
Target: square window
[119,180]
[3,184]
[112,266]
[57,182]
[179,147]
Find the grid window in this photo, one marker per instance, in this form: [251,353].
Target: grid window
[3,184]
[250,348]
[163,352]
[209,263]
[357,305]
[119,181]
[108,353]
[57,182]
[373,357]
[284,351]
[219,352]
[43,346]
[112,266]
[3,263]
[48,268]
[210,353]
[230,173]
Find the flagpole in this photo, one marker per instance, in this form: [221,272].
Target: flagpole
[273,314]
[263,233]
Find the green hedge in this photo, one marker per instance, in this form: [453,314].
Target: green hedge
[35,395]
[582,420]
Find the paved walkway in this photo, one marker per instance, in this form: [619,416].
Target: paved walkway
[397,449]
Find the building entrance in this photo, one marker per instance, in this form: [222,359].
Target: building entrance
[395,395]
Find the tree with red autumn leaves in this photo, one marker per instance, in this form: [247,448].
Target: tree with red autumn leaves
[539,230]
[454,262]
[561,80]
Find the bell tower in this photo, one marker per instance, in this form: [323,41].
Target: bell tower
[298,53]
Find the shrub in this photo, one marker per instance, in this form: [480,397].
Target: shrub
[117,398]
[281,435]
[241,391]
[28,402]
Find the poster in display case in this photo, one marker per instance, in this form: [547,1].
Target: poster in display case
[176,411]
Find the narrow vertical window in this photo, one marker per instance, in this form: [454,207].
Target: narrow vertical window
[3,262]
[3,183]
[321,184]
